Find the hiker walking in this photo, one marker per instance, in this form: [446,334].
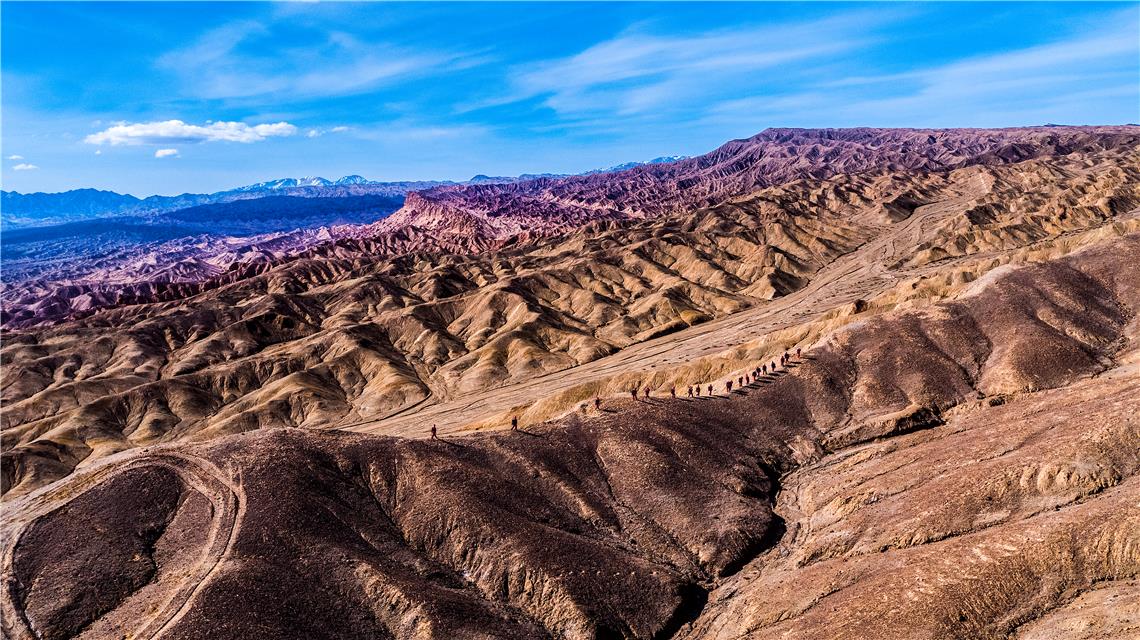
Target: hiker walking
[633,393]
[433,432]
[728,387]
[597,402]
[798,351]
[514,423]
[710,389]
[690,390]
[673,392]
[646,393]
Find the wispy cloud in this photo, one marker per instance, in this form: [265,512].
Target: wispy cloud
[166,153]
[228,63]
[23,166]
[15,157]
[320,131]
[169,131]
[1028,85]
[640,71]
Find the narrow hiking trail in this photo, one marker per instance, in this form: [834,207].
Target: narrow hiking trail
[860,274]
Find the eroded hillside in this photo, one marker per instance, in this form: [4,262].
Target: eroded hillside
[964,469]
[953,454]
[341,337]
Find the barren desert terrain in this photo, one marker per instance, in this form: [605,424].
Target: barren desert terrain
[949,449]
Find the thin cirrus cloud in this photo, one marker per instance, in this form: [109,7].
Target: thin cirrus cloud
[15,157]
[227,63]
[177,131]
[640,72]
[1061,79]
[23,166]
[166,153]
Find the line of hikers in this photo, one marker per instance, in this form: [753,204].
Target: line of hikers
[693,391]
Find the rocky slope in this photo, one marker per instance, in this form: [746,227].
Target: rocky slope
[964,470]
[495,213]
[339,337]
[477,216]
[953,456]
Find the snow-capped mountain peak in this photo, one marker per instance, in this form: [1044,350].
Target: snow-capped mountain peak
[308,181]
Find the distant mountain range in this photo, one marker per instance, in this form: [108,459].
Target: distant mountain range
[39,209]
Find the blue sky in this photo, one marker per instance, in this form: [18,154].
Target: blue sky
[168,98]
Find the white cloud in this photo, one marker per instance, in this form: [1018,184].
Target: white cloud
[316,133]
[98,152]
[220,66]
[1067,81]
[23,166]
[641,72]
[14,157]
[178,131]
[166,153]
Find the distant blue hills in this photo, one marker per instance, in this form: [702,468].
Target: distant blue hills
[39,209]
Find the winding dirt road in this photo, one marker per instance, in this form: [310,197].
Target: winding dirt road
[227,506]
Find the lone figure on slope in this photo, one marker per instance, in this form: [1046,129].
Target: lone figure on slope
[514,423]
[433,432]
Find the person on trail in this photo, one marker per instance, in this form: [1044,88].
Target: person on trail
[764,368]
[433,432]
[728,387]
[740,381]
[673,391]
[597,402]
[690,391]
[798,351]
[710,389]
[698,390]
[773,366]
[514,423]
[633,393]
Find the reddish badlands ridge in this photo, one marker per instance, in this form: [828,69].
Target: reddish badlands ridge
[954,455]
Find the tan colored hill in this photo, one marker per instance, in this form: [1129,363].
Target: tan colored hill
[381,345]
[967,469]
